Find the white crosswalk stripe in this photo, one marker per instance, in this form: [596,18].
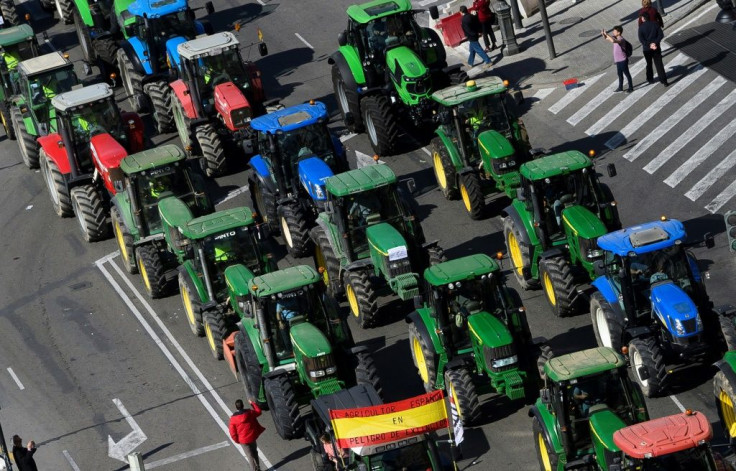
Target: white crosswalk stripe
[707,181]
[701,155]
[574,93]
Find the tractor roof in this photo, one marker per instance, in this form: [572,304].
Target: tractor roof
[284,280]
[644,238]
[81,96]
[44,63]
[377,9]
[664,436]
[361,179]
[470,90]
[459,269]
[555,164]
[583,363]
[15,35]
[362,395]
[156,8]
[217,222]
[212,45]
[293,117]
[152,158]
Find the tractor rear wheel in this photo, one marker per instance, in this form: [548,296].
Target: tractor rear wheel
[106,50]
[545,453]
[29,148]
[159,93]
[380,124]
[265,202]
[125,241]
[9,12]
[192,304]
[83,36]
[213,153]
[90,211]
[6,116]
[545,355]
[284,408]
[65,10]
[367,373]
[559,285]
[324,257]
[436,255]
[725,401]
[728,331]
[152,270]
[56,184]
[361,298]
[460,385]
[132,82]
[348,101]
[607,326]
[250,369]
[519,253]
[444,169]
[295,230]
[182,123]
[424,357]
[215,331]
[472,195]
[646,359]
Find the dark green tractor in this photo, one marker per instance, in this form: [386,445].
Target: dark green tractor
[369,242]
[470,336]
[385,70]
[17,43]
[587,398]
[552,225]
[291,344]
[147,178]
[480,143]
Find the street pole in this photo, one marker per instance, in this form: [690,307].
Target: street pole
[547,29]
[516,14]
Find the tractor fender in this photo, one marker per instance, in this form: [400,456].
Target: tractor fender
[339,148]
[203,27]
[135,130]
[451,149]
[120,201]
[262,171]
[550,433]
[275,373]
[422,319]
[728,310]
[637,332]
[605,287]
[54,148]
[511,212]
[323,222]
[85,13]
[181,91]
[554,252]
[133,57]
[172,50]
[451,69]
[139,48]
[726,365]
[257,93]
[693,262]
[348,63]
[358,265]
[188,267]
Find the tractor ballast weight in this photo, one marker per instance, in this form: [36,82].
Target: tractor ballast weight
[17,44]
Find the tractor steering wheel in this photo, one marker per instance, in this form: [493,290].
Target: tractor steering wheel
[221,78]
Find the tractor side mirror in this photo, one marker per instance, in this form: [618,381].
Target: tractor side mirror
[520,194]
[709,241]
[329,209]
[342,39]
[45,36]
[264,231]
[262,49]
[611,170]
[417,302]
[599,268]
[411,185]
[621,274]
[545,396]
[209,8]
[434,12]
[349,119]
[518,97]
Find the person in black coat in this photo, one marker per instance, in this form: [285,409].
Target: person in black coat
[29,464]
[19,453]
[650,37]
[472,29]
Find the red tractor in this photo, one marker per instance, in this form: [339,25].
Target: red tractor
[82,159]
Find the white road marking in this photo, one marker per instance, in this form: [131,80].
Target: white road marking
[70,460]
[707,181]
[188,454]
[673,119]
[424,3]
[345,137]
[29,207]
[677,403]
[262,2]
[649,112]
[128,443]
[670,33]
[574,93]
[691,132]
[15,378]
[233,194]
[543,93]
[723,198]
[304,41]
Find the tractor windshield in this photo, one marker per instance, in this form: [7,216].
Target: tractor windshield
[390,31]
[561,191]
[154,185]
[96,118]
[15,53]
[171,25]
[366,208]
[584,395]
[698,458]
[485,113]
[229,248]
[290,308]
[309,141]
[47,85]
[414,457]
[221,68]
[464,298]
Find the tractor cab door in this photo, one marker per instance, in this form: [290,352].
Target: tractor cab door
[286,310]
[556,193]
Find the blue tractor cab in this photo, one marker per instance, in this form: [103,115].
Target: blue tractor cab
[297,154]
[650,301]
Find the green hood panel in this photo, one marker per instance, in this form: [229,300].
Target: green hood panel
[217,222]
[494,146]
[489,330]
[384,237]
[407,61]
[583,363]
[555,164]
[377,9]
[239,279]
[583,223]
[309,340]
[460,269]
[603,424]
[470,90]
[360,179]
[284,280]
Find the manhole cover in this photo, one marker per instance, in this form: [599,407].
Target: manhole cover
[569,21]
[590,33]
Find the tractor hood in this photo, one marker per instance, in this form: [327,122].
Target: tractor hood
[603,425]
[494,145]
[664,436]
[488,330]
[309,340]
[312,174]
[403,61]
[238,278]
[232,105]
[674,308]
[386,240]
[108,153]
[583,223]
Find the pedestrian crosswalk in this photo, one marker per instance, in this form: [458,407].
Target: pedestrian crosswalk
[683,134]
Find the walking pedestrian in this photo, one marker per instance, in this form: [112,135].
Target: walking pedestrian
[651,12]
[245,430]
[485,16]
[650,37]
[19,453]
[29,463]
[620,57]
[471,28]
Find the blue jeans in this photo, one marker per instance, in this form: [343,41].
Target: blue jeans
[475,48]
[622,69]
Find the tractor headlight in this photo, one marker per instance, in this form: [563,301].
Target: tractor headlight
[318,192]
[679,328]
[500,363]
[698,324]
[317,373]
[595,254]
[331,370]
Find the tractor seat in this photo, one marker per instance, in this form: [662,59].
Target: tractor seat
[372,219]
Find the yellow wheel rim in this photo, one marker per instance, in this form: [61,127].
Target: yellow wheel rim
[729,416]
[549,289]
[210,337]
[187,305]
[543,453]
[515,252]
[321,263]
[457,403]
[466,198]
[144,275]
[5,122]
[439,170]
[121,242]
[352,300]
[421,361]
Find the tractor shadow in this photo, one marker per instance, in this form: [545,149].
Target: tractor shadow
[596,142]
[573,340]
[282,64]
[488,244]
[697,228]
[399,376]
[694,376]
[225,20]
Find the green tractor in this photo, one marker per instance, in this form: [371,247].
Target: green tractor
[291,344]
[17,43]
[480,143]
[470,335]
[385,71]
[552,225]
[32,116]
[587,398]
[146,178]
[368,241]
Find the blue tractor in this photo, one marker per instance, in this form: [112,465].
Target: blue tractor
[650,303]
[297,154]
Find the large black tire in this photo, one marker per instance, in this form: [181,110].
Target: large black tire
[83,36]
[215,330]
[728,332]
[48,5]
[213,153]
[607,324]
[159,93]
[125,241]
[545,453]
[106,50]
[424,357]
[56,184]
[380,124]
[645,353]
[295,230]
[9,12]
[27,144]
[181,122]
[459,382]
[192,304]
[65,10]
[559,285]
[545,355]
[444,170]
[319,463]
[436,255]
[725,401]
[472,195]
[284,408]
[520,256]
[348,101]
[6,119]
[249,368]
[324,257]
[132,83]
[152,270]
[367,373]
[265,202]
[90,212]
[361,298]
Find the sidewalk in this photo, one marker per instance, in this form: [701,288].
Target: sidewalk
[576,29]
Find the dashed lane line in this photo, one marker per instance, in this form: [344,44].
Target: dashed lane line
[15,378]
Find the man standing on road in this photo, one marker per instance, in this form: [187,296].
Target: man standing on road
[471,28]
[19,453]
[245,430]
[650,37]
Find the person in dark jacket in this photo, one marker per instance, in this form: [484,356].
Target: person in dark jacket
[472,28]
[485,16]
[650,37]
[19,453]
[651,12]
[245,429]
[29,463]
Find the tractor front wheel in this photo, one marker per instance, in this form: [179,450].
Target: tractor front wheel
[83,36]
[367,373]
[519,253]
[29,149]
[380,124]
[607,327]
[558,284]
[348,101]
[9,12]
[215,331]
[460,385]
[325,259]
[250,369]
[160,95]
[295,230]
[106,50]
[545,453]
[213,153]
[65,9]
[192,305]
[152,270]
[725,401]
[361,298]
[444,170]
[647,363]
[472,195]
[284,407]
[88,207]
[56,184]
[424,358]
[132,82]
[6,116]
[125,241]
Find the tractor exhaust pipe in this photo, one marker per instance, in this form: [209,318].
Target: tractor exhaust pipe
[265,339]
[207,281]
[69,148]
[460,135]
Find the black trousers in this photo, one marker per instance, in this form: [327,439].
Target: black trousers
[656,57]
[488,32]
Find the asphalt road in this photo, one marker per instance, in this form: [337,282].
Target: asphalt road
[83,347]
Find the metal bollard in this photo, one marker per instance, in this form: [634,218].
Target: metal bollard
[135,460]
[503,12]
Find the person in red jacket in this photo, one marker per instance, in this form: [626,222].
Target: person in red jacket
[651,12]
[485,16]
[245,429]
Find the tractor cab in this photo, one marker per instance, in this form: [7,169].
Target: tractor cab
[17,43]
